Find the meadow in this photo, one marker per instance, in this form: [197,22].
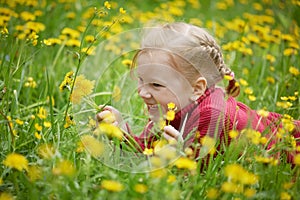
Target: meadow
[60,59]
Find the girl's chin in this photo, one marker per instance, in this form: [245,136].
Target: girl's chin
[155,117]
[155,114]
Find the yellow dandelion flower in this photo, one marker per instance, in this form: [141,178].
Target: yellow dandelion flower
[233,171]
[285,196]
[148,152]
[248,91]
[297,159]
[208,142]
[122,10]
[34,173]
[16,161]
[27,16]
[89,50]
[290,51]
[270,80]
[116,95]
[140,188]
[80,147]
[249,192]
[73,42]
[212,193]
[270,58]
[1,181]
[71,15]
[161,124]
[257,6]
[89,38]
[69,122]
[233,134]
[159,144]
[4,31]
[38,127]
[284,104]
[245,71]
[110,130]
[42,113]
[288,124]
[82,87]
[112,186]
[159,173]
[171,179]
[253,135]
[292,98]
[156,161]
[170,115]
[230,187]
[72,33]
[6,196]
[294,71]
[107,5]
[20,122]
[127,62]
[92,145]
[185,163]
[263,140]
[243,82]
[67,82]
[189,151]
[252,98]
[37,135]
[263,113]
[52,41]
[171,106]
[64,167]
[237,173]
[288,185]
[196,21]
[248,178]
[46,151]
[9,121]
[221,6]
[47,124]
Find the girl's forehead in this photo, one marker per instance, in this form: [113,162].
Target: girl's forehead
[154,57]
[163,74]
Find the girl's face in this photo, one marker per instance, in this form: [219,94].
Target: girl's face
[159,84]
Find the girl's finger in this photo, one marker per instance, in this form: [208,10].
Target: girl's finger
[168,137]
[171,131]
[102,115]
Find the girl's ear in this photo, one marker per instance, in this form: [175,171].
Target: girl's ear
[199,86]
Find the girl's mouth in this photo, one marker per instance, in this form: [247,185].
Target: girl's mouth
[154,106]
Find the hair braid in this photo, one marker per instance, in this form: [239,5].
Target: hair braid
[214,51]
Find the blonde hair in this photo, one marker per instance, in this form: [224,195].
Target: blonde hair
[193,50]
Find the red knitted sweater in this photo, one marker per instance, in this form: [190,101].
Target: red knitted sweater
[215,116]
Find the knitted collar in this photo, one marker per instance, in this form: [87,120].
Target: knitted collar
[178,121]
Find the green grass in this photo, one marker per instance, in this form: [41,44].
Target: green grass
[29,58]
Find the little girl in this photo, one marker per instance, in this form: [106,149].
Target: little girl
[182,64]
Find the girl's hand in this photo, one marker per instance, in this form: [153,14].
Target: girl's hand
[171,134]
[110,115]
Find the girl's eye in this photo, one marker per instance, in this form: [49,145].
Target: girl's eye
[157,85]
[140,79]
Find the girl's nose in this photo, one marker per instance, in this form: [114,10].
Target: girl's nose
[143,92]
